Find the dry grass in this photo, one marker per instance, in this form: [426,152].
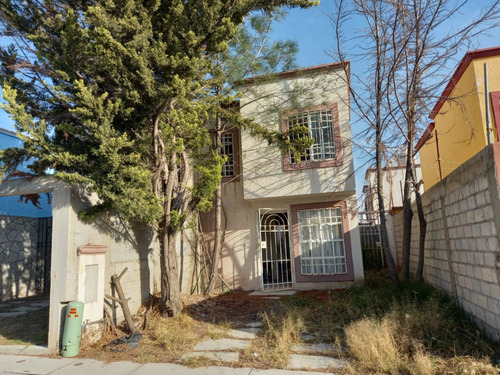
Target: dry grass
[412,330]
[177,336]
[198,361]
[281,331]
[383,329]
[373,345]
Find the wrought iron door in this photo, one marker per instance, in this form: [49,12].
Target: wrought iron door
[275,250]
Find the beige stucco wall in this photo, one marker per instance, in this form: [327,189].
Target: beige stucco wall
[263,173]
[240,264]
[264,185]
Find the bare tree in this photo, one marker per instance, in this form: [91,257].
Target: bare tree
[369,96]
[421,46]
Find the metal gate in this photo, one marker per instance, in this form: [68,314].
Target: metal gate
[275,249]
[43,255]
[371,245]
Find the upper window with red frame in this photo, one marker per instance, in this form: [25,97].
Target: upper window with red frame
[230,148]
[323,125]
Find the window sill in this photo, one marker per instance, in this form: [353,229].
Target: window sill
[287,166]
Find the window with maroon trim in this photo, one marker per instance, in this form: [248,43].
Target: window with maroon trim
[321,242]
[230,149]
[322,123]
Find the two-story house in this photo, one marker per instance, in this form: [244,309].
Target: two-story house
[290,221]
[465,118]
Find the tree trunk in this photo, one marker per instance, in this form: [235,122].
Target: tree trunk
[171,296]
[393,274]
[407,217]
[218,235]
[422,231]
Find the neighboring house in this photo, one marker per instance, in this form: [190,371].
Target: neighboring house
[392,187]
[25,238]
[291,223]
[11,205]
[461,115]
[393,180]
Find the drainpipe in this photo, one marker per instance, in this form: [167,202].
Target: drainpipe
[487,102]
[438,156]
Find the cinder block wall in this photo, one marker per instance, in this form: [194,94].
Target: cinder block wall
[462,255]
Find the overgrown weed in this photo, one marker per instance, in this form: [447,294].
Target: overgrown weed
[281,331]
[410,329]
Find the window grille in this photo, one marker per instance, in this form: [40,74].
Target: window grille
[321,242]
[320,126]
[227,149]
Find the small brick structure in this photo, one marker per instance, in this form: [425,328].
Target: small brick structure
[462,255]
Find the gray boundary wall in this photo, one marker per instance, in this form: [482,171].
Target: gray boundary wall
[462,255]
[19,257]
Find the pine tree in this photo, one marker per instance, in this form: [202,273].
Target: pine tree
[112,94]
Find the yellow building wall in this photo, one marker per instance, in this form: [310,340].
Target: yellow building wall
[461,122]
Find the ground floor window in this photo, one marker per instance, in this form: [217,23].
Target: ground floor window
[321,241]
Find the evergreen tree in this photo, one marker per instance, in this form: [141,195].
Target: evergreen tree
[112,94]
[250,53]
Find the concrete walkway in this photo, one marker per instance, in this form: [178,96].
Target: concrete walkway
[22,364]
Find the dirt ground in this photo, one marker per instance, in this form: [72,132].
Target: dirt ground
[203,318]
[239,307]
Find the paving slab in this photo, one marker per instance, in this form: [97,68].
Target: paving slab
[215,356]
[286,372]
[322,347]
[244,333]
[12,349]
[307,336]
[254,325]
[171,368]
[8,360]
[221,344]
[84,366]
[315,362]
[35,350]
[39,365]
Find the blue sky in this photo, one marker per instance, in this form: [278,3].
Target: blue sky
[312,30]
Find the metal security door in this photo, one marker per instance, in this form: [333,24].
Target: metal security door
[275,250]
[371,245]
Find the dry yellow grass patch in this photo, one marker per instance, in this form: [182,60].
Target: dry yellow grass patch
[281,332]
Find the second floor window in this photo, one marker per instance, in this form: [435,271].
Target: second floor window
[227,149]
[320,126]
[320,123]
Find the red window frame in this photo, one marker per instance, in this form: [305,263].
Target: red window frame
[349,276]
[236,155]
[309,164]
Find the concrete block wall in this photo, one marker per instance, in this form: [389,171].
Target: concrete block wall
[18,256]
[462,255]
